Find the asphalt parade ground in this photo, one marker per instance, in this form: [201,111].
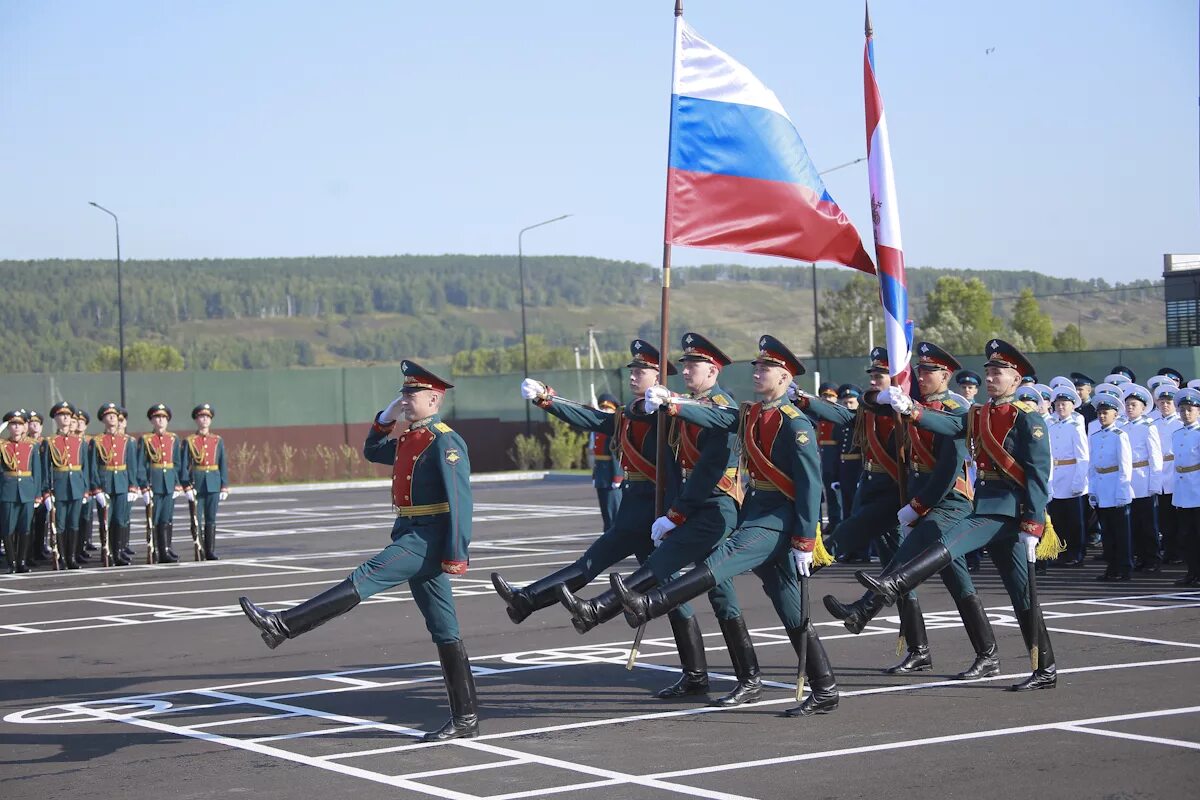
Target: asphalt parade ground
[147,681]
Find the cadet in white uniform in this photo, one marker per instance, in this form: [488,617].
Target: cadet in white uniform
[1147,478]
[1110,486]
[1068,481]
[1167,423]
[1185,446]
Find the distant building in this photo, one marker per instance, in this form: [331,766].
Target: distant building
[1181,275]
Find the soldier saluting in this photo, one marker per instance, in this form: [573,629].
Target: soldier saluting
[431,494]
[204,464]
[160,478]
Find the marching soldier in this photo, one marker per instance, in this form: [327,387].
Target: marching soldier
[777,531]
[114,484]
[39,550]
[873,517]
[431,494]
[1185,447]
[1068,480]
[21,485]
[1147,479]
[1008,441]
[67,480]
[941,498]
[1110,486]
[204,464]
[636,439]
[1167,423]
[606,471]
[702,515]
[161,477]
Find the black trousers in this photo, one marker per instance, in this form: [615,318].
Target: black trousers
[1117,546]
[1167,528]
[1067,515]
[1144,531]
[1188,527]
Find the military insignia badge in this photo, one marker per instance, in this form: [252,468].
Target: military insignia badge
[452,456]
[802,438]
[1039,432]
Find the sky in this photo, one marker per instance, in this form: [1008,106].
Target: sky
[1060,137]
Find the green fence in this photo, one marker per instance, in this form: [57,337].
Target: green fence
[270,398]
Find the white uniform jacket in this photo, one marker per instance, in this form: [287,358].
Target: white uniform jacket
[1110,467]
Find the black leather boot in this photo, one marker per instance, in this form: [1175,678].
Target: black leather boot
[24,542]
[210,541]
[908,576]
[460,689]
[587,614]
[690,644]
[520,603]
[912,624]
[858,614]
[1045,676]
[162,542]
[68,544]
[277,626]
[123,555]
[640,608]
[823,691]
[10,553]
[745,664]
[983,640]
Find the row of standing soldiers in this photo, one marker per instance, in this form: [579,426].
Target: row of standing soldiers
[51,486]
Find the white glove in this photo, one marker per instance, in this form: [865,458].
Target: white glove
[146,498]
[101,500]
[531,389]
[1031,542]
[48,503]
[803,561]
[131,496]
[392,412]
[190,494]
[907,516]
[657,396]
[895,397]
[793,392]
[617,484]
[661,527]
[223,496]
[175,494]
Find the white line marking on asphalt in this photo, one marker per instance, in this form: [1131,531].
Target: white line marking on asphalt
[1136,737]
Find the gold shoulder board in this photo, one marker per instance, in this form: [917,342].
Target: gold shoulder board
[789,411]
[442,427]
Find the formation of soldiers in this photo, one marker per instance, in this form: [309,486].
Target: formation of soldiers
[926,479]
[60,488]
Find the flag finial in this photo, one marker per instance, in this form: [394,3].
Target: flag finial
[867,23]
[679,8]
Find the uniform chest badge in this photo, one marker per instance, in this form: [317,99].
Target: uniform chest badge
[452,456]
[1038,433]
[802,438]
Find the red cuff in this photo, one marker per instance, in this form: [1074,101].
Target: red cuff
[919,507]
[676,517]
[379,427]
[916,412]
[1035,528]
[454,567]
[804,545]
[801,402]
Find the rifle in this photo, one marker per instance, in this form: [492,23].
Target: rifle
[151,552]
[802,664]
[105,557]
[197,547]
[52,529]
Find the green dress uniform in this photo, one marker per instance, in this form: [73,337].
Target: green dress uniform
[67,480]
[160,471]
[21,485]
[1007,439]
[701,516]
[115,462]
[606,470]
[781,513]
[204,465]
[941,498]
[431,495]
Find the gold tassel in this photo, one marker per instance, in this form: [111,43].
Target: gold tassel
[1050,546]
[821,556]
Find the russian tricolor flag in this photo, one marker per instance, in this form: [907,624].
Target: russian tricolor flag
[739,177]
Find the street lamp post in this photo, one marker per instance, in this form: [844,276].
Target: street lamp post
[524,338]
[120,303]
